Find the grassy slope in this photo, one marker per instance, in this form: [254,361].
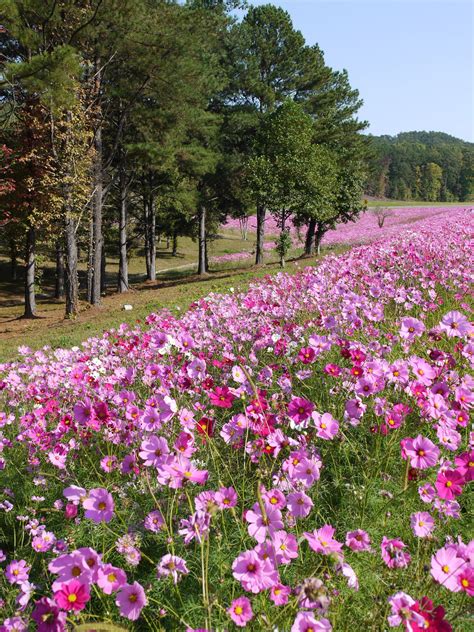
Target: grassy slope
[174,291]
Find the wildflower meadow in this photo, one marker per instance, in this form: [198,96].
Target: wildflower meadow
[297,457]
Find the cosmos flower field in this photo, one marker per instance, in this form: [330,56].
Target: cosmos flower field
[298,457]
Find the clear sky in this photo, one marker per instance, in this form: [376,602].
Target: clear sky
[411,60]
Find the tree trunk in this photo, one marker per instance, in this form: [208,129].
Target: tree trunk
[123,261]
[202,258]
[97,221]
[260,234]
[318,237]
[310,235]
[90,260]
[59,286]
[146,224]
[152,240]
[175,244]
[103,278]
[98,176]
[30,298]
[72,281]
[13,260]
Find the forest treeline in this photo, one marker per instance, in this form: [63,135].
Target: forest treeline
[123,120]
[429,166]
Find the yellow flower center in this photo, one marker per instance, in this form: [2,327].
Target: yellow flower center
[133,597]
[102,506]
[448,484]
[464,583]
[111,578]
[445,568]
[238,610]
[72,598]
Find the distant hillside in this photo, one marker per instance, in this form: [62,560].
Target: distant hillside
[429,166]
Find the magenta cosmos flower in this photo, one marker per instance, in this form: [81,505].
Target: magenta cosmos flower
[393,553]
[449,484]
[358,540]
[131,600]
[48,616]
[422,524]
[222,397]
[466,580]
[72,595]
[99,505]
[240,611]
[421,451]
[322,541]
[254,573]
[300,409]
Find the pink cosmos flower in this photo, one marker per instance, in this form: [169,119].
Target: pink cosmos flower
[306,622]
[327,427]
[300,409]
[72,595]
[99,505]
[449,484]
[254,573]
[275,498]
[299,504]
[322,541]
[427,493]
[455,324]
[131,600]
[446,565]
[172,565]
[17,572]
[358,540]
[259,526]
[393,553]
[411,327]
[110,578]
[279,594]
[70,566]
[401,605]
[421,451]
[154,521]
[422,524]
[154,451]
[240,611]
[75,494]
[226,497]
[285,546]
[182,471]
[307,472]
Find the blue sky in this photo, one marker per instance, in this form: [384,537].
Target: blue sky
[411,60]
